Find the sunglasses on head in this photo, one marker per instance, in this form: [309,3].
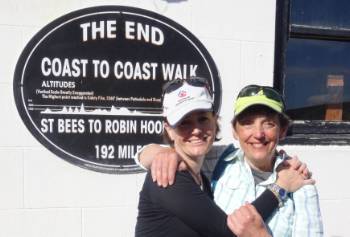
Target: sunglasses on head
[173,85]
[253,90]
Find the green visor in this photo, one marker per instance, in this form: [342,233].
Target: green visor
[259,95]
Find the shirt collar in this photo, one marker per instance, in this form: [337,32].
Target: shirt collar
[237,154]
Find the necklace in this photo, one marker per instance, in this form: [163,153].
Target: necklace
[196,176]
[198,179]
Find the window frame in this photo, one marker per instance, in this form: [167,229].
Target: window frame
[306,132]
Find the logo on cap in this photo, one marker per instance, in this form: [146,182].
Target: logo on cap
[182,94]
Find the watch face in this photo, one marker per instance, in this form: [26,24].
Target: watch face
[282,193]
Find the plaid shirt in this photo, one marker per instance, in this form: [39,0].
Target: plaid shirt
[233,185]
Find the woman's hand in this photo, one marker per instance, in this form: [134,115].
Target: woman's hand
[246,222]
[293,174]
[164,166]
[295,163]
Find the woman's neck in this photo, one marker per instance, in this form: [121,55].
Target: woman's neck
[265,165]
[194,164]
[195,172]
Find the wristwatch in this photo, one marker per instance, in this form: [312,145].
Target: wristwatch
[279,192]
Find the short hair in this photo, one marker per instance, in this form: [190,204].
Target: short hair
[262,109]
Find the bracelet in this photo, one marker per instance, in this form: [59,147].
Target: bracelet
[279,192]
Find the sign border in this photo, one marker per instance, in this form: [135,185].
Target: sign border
[68,18]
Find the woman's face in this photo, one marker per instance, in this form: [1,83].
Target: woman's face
[194,135]
[258,135]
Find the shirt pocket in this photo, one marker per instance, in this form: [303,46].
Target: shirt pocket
[230,195]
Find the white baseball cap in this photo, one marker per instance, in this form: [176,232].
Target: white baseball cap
[184,100]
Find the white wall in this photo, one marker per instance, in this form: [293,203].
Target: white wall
[43,195]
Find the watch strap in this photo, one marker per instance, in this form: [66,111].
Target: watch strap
[280,193]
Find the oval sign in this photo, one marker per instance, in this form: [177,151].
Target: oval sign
[88,85]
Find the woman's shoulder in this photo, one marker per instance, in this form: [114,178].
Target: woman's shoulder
[181,177]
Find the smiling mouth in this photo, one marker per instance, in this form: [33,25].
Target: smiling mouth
[258,145]
[198,142]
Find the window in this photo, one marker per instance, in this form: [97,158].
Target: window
[312,69]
